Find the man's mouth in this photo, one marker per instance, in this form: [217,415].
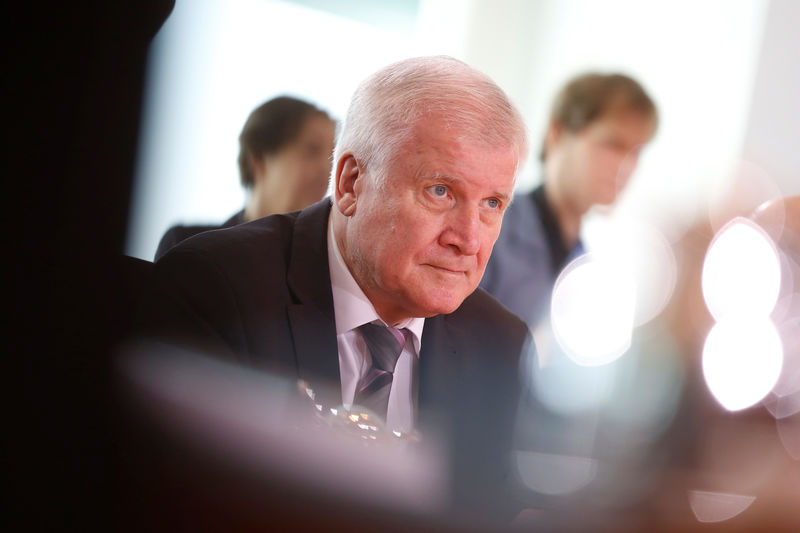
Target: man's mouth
[448,269]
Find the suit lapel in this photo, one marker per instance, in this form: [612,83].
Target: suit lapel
[311,315]
[439,365]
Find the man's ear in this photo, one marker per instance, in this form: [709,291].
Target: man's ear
[257,165]
[348,172]
[554,133]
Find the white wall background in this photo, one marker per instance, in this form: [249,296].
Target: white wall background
[212,62]
[773,131]
[215,60]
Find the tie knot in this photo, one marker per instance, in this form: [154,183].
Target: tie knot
[384,344]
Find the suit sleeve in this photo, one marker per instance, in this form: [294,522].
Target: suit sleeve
[191,304]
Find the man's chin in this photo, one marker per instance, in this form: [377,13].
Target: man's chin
[442,305]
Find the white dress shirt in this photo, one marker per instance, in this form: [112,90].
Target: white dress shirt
[352,309]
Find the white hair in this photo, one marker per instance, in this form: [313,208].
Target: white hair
[387,105]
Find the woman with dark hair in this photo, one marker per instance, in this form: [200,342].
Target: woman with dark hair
[285,150]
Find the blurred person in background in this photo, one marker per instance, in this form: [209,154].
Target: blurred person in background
[578,442]
[598,125]
[423,171]
[284,162]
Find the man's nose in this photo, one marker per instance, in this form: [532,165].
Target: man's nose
[462,231]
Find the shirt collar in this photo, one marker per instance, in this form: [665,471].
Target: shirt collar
[351,307]
[560,255]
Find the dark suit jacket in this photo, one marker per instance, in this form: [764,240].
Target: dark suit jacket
[179,233]
[260,293]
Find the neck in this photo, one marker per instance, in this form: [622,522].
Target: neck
[266,200]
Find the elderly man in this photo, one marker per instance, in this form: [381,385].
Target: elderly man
[423,171]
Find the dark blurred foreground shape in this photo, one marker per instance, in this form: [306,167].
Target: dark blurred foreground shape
[210,445]
[72,77]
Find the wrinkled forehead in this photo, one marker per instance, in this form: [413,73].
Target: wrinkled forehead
[478,134]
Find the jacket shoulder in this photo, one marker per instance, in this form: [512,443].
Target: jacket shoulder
[483,308]
[485,324]
[252,239]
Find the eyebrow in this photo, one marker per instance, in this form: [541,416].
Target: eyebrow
[503,196]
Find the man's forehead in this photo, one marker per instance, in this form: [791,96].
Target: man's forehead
[628,126]
[624,116]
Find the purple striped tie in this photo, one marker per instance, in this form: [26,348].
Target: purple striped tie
[384,345]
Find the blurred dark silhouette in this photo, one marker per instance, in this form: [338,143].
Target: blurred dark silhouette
[73,80]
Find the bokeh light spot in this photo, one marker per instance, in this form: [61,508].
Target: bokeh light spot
[567,388]
[741,272]
[742,360]
[789,382]
[783,406]
[555,474]
[592,310]
[789,433]
[710,506]
[644,251]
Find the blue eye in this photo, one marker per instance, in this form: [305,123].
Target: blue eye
[438,191]
[493,203]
